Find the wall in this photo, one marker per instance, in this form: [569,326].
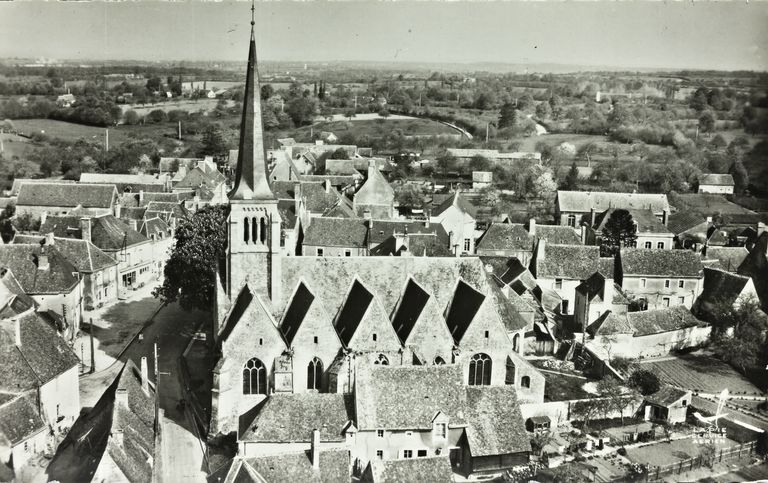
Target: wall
[311,250]
[35,444]
[62,391]
[653,345]
[654,290]
[37,211]
[138,259]
[559,411]
[460,224]
[251,449]
[64,304]
[720,189]
[100,288]
[654,240]
[367,442]
[566,292]
[523,255]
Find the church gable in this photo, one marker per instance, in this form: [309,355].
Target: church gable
[250,330]
[420,325]
[363,324]
[463,308]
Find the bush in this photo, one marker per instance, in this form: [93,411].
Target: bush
[644,381]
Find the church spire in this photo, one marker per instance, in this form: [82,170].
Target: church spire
[251,177]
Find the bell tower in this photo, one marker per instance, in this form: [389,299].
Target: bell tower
[253,252]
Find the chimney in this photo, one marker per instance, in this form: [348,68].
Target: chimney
[709,219]
[297,195]
[121,396]
[141,197]
[315,449]
[368,216]
[664,217]
[144,376]
[85,228]
[608,289]
[49,238]
[541,253]
[133,224]
[42,260]
[327,186]
[43,217]
[592,217]
[426,221]
[371,167]
[532,227]
[583,234]
[452,242]
[118,209]
[17,328]
[760,228]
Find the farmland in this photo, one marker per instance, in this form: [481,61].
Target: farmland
[188,105]
[71,132]
[381,127]
[13,145]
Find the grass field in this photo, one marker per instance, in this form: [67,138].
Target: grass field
[182,105]
[700,372]
[13,145]
[382,127]
[71,132]
[528,144]
[562,387]
[663,453]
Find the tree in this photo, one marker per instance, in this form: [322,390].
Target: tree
[740,176]
[384,112]
[154,84]
[572,179]
[445,161]
[156,116]
[131,117]
[480,163]
[340,153]
[707,122]
[267,91]
[190,272]
[543,110]
[301,109]
[213,142]
[409,195]
[6,222]
[738,332]
[619,231]
[644,381]
[585,411]
[350,113]
[507,116]
[617,397]
[26,223]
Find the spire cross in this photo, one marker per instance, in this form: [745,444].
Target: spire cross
[253,13]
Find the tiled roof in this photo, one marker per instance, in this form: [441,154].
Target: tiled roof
[424,245]
[107,232]
[645,220]
[458,201]
[123,182]
[647,322]
[22,260]
[660,263]
[556,234]
[13,300]
[666,396]
[197,177]
[336,232]
[707,204]
[495,423]
[415,470]
[317,199]
[716,180]
[506,236]
[409,397]
[341,167]
[721,286]
[728,258]
[568,261]
[335,180]
[756,266]
[290,418]
[67,194]
[682,221]
[583,201]
[84,255]
[20,419]
[375,191]
[610,323]
[134,199]
[334,466]
[175,208]
[17,182]
[383,229]
[155,226]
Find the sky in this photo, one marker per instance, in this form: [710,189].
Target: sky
[724,35]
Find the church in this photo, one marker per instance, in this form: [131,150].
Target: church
[295,325]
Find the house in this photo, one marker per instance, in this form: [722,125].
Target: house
[493,155]
[335,237]
[690,229]
[668,405]
[39,199]
[17,182]
[65,100]
[562,268]
[723,288]
[171,165]
[572,207]
[648,333]
[650,231]
[708,204]
[291,324]
[724,258]
[129,183]
[284,169]
[518,240]
[481,179]
[716,183]
[97,270]
[121,241]
[413,470]
[595,296]
[118,433]
[375,196]
[38,378]
[658,278]
[328,137]
[341,167]
[756,267]
[50,279]
[459,218]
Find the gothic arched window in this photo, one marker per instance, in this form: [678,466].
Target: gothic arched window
[314,374]
[381,360]
[254,230]
[480,370]
[254,377]
[263,230]
[245,230]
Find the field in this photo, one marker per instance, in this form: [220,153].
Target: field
[381,127]
[528,144]
[182,105]
[71,132]
[663,453]
[562,387]
[700,372]
[13,145]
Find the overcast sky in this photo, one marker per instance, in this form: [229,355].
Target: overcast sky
[719,35]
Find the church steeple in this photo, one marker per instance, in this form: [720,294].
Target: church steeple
[251,177]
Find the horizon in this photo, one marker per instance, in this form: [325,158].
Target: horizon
[723,36]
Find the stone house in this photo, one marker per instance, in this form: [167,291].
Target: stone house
[690,229]
[573,207]
[459,218]
[595,296]
[651,232]
[658,278]
[716,183]
[40,199]
[518,240]
[668,405]
[722,287]
[375,196]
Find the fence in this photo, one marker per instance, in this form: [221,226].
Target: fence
[735,452]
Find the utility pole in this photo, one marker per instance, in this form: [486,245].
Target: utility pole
[486,131]
[106,140]
[179,130]
[157,392]
[93,356]
[355,102]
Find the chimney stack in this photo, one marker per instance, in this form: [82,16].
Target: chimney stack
[121,397]
[17,328]
[315,449]
[85,228]
[532,227]
[592,217]
[118,209]
[49,238]
[42,260]
[583,234]
[327,186]
[541,253]
[43,217]
[133,224]
[144,376]
[141,197]
[297,195]
[371,167]
[664,217]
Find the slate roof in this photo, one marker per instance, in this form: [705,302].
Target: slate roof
[13,300]
[375,191]
[456,200]
[133,199]
[174,208]
[660,263]
[495,423]
[721,286]
[289,418]
[432,469]
[756,266]
[728,258]
[336,232]
[341,167]
[570,261]
[647,322]
[583,201]
[107,232]
[610,323]
[316,198]
[666,396]
[409,397]
[22,260]
[334,465]
[335,180]
[707,204]
[20,419]
[506,236]
[683,221]
[84,255]
[155,226]
[716,180]
[67,195]
[556,234]
[645,220]
[197,177]
[381,230]
[17,182]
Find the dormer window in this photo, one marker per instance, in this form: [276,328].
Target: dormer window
[441,430]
